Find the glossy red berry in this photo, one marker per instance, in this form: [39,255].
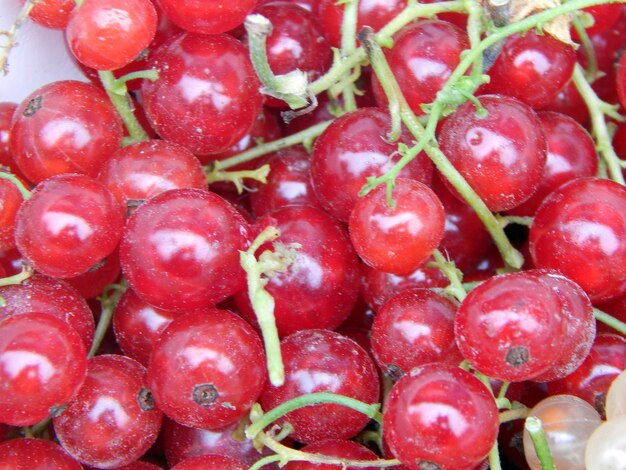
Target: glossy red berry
[182,442]
[333,448]
[109,34]
[64,127]
[413,328]
[180,250]
[41,294]
[204,462]
[288,184]
[591,381]
[580,230]
[377,286]
[52,14]
[142,170]
[11,199]
[207,370]
[397,240]
[440,416]
[533,68]
[70,223]
[43,363]
[324,361]
[112,421]
[326,268]
[6,158]
[92,283]
[422,59]
[352,148]
[207,95]
[571,154]
[35,454]
[510,327]
[208,16]
[501,155]
[374,14]
[297,41]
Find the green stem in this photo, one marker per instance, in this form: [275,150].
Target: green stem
[513,414]
[610,321]
[424,136]
[348,38]
[18,278]
[592,62]
[150,74]
[542,449]
[598,122]
[108,303]
[290,87]
[512,219]
[123,105]
[269,147]
[11,34]
[503,389]
[24,191]
[494,457]
[265,461]
[263,303]
[412,12]
[455,277]
[475,30]
[237,177]
[372,411]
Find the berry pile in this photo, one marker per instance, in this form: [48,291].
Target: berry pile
[317,234]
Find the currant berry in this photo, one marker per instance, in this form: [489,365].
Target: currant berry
[44,363]
[580,230]
[325,267]
[533,68]
[509,327]
[207,95]
[109,34]
[35,454]
[397,240]
[207,17]
[139,171]
[413,328]
[41,294]
[70,224]
[352,148]
[440,416]
[423,57]
[605,448]
[52,14]
[180,250]
[11,199]
[501,155]
[333,448]
[64,127]
[204,462]
[114,388]
[323,361]
[207,370]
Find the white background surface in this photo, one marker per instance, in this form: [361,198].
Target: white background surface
[39,58]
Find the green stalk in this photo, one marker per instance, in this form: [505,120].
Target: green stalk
[597,110]
[610,321]
[348,38]
[542,449]
[372,411]
[108,303]
[124,107]
[24,191]
[269,147]
[425,137]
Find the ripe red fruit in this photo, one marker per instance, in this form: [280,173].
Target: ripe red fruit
[324,361]
[109,34]
[440,416]
[70,224]
[397,240]
[207,16]
[115,409]
[580,230]
[29,454]
[207,95]
[180,250]
[44,364]
[64,127]
[501,155]
[207,370]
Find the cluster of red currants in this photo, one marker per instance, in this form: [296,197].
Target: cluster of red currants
[363,247]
